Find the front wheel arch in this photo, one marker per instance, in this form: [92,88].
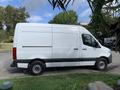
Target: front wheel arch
[107,60]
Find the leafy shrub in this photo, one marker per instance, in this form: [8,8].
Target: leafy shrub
[9,40]
[3,35]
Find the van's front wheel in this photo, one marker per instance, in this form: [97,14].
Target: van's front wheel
[36,67]
[101,64]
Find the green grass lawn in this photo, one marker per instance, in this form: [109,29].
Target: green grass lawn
[62,82]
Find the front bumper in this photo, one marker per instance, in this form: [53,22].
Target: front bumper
[110,59]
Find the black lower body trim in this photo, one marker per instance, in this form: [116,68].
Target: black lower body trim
[59,60]
[71,59]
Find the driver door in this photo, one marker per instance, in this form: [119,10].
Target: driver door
[88,50]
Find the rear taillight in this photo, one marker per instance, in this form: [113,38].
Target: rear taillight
[14,53]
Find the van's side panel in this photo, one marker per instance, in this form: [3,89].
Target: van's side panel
[34,42]
[65,42]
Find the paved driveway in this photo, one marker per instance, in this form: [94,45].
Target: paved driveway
[7,72]
[114,68]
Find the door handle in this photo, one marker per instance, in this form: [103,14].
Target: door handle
[84,49]
[75,48]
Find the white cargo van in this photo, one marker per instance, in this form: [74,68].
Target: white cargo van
[40,46]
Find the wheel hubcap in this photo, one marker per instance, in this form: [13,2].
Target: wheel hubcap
[101,64]
[36,69]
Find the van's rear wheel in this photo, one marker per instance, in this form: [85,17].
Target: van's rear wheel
[36,67]
[101,64]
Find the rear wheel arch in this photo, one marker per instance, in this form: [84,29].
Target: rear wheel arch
[37,59]
[36,63]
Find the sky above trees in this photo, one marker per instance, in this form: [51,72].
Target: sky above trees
[41,11]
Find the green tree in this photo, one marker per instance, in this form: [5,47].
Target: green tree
[1,16]
[12,16]
[99,26]
[69,17]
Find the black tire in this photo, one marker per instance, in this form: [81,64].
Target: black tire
[36,67]
[101,64]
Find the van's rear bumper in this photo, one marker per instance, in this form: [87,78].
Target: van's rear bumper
[20,64]
[14,64]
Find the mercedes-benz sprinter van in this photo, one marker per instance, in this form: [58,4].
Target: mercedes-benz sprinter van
[40,46]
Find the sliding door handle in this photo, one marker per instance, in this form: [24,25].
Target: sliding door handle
[75,48]
[84,49]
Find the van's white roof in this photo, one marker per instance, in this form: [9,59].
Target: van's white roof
[82,29]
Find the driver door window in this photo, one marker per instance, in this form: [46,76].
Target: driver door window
[88,40]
